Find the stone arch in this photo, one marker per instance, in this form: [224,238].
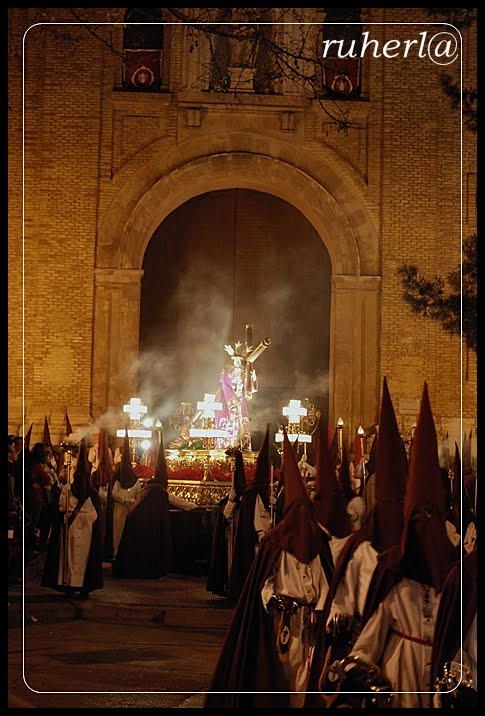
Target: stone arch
[245,171]
[337,214]
[171,174]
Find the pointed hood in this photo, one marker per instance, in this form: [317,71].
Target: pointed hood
[239,474]
[328,499]
[262,474]
[68,425]
[424,464]
[161,470]
[28,438]
[124,472]
[295,488]
[46,438]
[344,476]
[82,474]
[466,452]
[103,474]
[391,473]
[298,532]
[426,552]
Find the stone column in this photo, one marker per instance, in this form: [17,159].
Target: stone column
[354,352]
[116,338]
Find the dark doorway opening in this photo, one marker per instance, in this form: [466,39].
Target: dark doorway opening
[220,261]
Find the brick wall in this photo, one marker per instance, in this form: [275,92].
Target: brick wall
[84,144]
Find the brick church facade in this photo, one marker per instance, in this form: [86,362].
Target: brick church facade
[99,169]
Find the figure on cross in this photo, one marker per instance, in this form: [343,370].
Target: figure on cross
[238,384]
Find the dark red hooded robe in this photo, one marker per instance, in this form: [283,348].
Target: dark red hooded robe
[249,673]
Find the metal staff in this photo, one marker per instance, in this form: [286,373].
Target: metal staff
[68,448]
[66,522]
[270,463]
[361,433]
[340,427]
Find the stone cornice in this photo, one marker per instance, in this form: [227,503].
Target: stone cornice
[356,283]
[113,276]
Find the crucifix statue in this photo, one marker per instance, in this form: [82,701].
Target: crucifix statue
[238,384]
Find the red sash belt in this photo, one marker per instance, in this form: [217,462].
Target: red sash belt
[414,639]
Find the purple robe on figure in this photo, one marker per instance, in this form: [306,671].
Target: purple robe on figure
[233,417]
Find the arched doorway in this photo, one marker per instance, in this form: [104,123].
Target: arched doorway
[332,206]
[220,260]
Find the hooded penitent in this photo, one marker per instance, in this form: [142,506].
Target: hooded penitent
[298,532]
[28,437]
[103,477]
[103,474]
[246,538]
[391,472]
[262,474]
[249,671]
[82,474]
[124,472]
[145,550]
[329,501]
[93,574]
[280,486]
[467,453]
[383,529]
[68,425]
[460,499]
[239,475]
[344,476]
[456,614]
[161,469]
[426,552]
[295,488]
[223,533]
[46,439]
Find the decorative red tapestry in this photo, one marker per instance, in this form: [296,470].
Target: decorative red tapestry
[341,76]
[142,69]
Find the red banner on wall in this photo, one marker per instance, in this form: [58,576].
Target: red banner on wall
[142,69]
[341,76]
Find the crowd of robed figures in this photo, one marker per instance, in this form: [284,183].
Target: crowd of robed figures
[338,600]
[333,612]
[95,510]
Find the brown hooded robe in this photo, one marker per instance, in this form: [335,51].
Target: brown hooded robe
[146,550]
